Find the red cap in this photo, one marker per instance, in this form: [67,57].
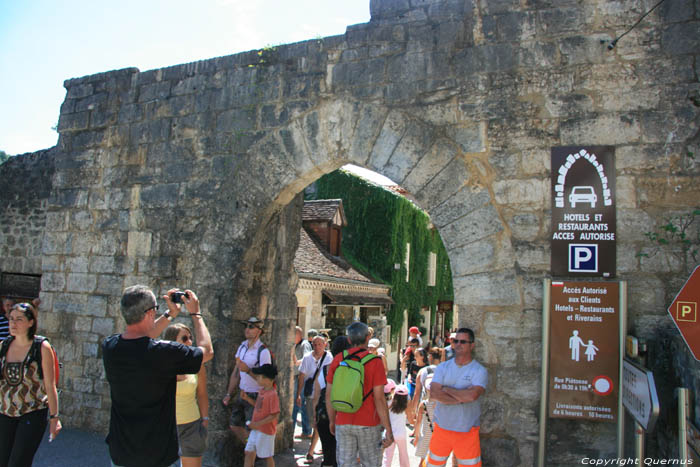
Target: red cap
[414,330]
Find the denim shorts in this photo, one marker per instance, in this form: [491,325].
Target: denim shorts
[193,438]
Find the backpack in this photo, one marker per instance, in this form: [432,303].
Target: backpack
[347,392]
[34,355]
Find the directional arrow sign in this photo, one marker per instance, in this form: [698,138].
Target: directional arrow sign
[639,394]
[684,312]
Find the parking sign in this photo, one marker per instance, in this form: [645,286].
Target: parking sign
[583,211]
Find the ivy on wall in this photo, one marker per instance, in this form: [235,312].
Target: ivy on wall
[380,223]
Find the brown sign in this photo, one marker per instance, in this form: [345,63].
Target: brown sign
[584,346]
[20,285]
[583,211]
[684,313]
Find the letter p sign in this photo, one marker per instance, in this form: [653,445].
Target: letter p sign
[583,258]
[687,311]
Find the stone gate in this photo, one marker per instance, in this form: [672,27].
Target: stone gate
[191,176]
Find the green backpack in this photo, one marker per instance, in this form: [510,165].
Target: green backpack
[347,392]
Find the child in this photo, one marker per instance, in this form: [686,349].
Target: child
[424,420]
[397,416]
[263,424]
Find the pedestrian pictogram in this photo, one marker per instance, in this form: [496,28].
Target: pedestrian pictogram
[684,312]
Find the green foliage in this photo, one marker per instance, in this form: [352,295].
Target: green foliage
[675,233]
[4,156]
[380,223]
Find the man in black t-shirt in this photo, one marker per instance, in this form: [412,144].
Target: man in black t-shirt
[5,305]
[142,377]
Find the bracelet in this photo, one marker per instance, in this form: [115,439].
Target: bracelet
[205,418]
[195,314]
[167,316]
[51,417]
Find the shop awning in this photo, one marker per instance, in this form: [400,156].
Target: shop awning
[349,298]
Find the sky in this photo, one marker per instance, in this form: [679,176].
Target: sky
[44,42]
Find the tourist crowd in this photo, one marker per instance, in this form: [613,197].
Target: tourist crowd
[160,405]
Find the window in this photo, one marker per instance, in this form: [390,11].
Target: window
[432,269]
[407,260]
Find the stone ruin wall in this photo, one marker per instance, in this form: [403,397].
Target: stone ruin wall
[190,176]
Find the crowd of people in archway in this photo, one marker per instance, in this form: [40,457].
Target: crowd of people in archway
[347,396]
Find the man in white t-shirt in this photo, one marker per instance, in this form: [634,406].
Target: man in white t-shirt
[250,354]
[457,386]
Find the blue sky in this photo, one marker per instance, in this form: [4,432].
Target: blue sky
[43,43]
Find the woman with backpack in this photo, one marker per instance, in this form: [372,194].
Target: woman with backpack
[28,388]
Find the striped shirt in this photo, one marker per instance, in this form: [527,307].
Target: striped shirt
[4,327]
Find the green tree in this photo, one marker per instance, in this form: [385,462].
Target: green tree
[3,156]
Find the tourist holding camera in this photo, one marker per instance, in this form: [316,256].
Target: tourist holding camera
[142,375]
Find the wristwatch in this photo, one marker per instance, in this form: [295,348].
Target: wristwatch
[167,316]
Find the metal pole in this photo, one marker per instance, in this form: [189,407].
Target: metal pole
[541,448]
[683,402]
[621,356]
[639,442]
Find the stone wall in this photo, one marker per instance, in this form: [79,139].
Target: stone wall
[189,176]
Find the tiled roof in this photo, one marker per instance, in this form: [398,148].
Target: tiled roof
[322,210]
[311,258]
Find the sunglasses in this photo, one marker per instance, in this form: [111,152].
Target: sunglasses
[185,338]
[154,307]
[462,341]
[251,326]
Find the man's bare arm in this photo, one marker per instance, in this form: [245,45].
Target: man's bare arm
[465,395]
[438,393]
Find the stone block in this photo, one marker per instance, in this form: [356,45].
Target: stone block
[681,38]
[525,324]
[78,91]
[499,451]
[73,122]
[370,120]
[53,282]
[605,129]
[154,91]
[413,146]
[461,203]
[103,326]
[392,131]
[96,305]
[475,225]
[436,159]
[82,323]
[495,288]
[445,184]
[525,226]
[362,73]
[77,264]
[139,243]
[236,120]
[81,282]
[523,194]
[82,385]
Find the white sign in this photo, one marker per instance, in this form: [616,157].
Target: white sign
[639,394]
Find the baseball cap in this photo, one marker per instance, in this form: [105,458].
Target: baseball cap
[389,386]
[414,330]
[373,343]
[401,390]
[255,321]
[268,370]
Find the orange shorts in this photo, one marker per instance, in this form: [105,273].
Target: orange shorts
[465,446]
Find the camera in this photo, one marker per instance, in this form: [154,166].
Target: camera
[176,297]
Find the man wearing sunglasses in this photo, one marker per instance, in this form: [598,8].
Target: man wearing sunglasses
[250,354]
[142,375]
[457,385]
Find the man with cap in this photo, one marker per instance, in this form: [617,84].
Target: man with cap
[250,354]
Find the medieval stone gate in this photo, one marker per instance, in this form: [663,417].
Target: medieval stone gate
[190,176]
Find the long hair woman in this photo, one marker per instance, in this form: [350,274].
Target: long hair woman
[191,404]
[28,395]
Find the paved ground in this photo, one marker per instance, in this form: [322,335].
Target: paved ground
[74,448]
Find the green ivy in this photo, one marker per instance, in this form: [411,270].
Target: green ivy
[380,223]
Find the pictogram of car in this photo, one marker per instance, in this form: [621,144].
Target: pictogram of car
[582,194]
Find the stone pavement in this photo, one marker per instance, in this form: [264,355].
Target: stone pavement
[75,448]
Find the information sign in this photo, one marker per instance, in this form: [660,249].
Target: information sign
[639,394]
[583,211]
[684,312]
[584,350]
